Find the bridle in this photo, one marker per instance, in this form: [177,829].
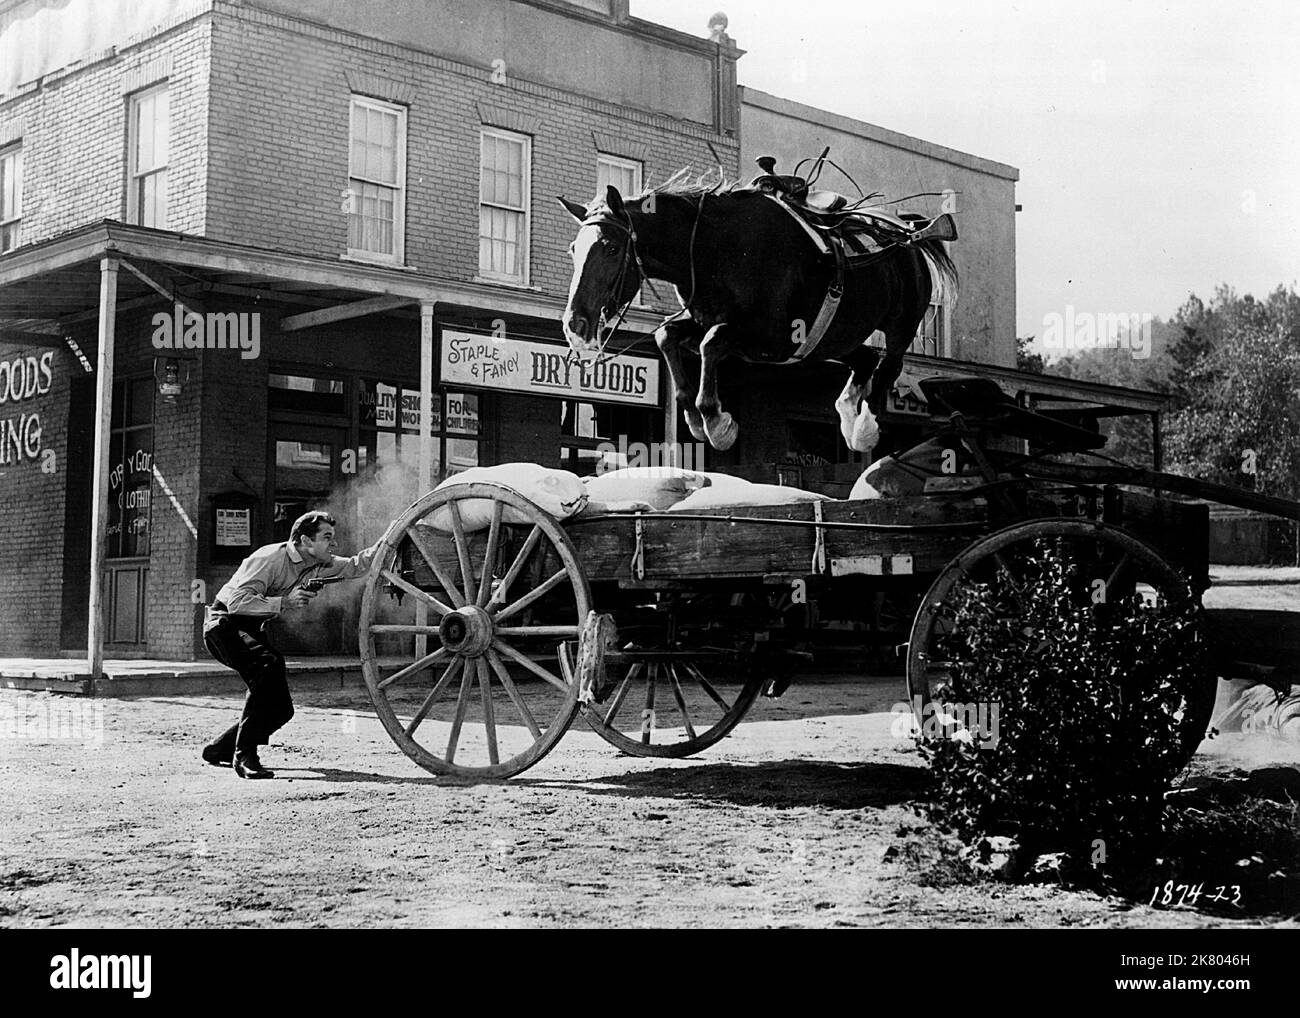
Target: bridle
[632,256]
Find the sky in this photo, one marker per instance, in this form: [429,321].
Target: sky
[1158,144]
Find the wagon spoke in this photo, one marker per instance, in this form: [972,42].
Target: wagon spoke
[433,695]
[420,595]
[621,694]
[462,703]
[1005,566]
[707,687]
[489,560]
[564,632]
[504,648]
[540,591]
[648,714]
[418,666]
[462,550]
[497,666]
[681,700]
[427,553]
[1113,579]
[489,718]
[513,572]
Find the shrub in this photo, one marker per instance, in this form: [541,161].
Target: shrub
[1093,717]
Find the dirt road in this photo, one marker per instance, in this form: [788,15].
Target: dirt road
[786,823]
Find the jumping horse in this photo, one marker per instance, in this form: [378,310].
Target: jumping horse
[753,283]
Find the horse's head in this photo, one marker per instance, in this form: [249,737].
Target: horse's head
[606,276]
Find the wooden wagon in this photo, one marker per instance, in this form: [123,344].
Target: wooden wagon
[661,628]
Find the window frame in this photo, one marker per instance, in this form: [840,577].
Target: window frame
[637,166]
[134,178]
[398,255]
[13,150]
[524,278]
[623,163]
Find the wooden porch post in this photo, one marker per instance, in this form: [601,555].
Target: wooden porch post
[99,490]
[425,472]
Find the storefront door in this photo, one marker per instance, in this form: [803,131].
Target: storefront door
[306,474]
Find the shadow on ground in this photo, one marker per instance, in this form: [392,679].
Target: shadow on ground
[782,784]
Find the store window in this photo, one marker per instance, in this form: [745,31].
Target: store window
[504,186]
[130,460]
[588,430]
[148,149]
[931,337]
[11,197]
[390,428]
[377,180]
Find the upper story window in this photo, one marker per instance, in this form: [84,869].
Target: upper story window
[624,174]
[504,187]
[11,197]
[150,129]
[932,334]
[377,180]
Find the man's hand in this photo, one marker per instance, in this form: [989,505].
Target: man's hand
[297,598]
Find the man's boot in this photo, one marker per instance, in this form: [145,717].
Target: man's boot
[247,765]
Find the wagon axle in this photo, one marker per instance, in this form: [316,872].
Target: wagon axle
[467,631]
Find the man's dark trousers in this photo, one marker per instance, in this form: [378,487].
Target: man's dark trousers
[239,642]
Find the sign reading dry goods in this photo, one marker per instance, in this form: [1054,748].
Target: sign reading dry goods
[547,369]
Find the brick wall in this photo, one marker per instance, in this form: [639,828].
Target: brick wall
[73,128]
[32,491]
[269,186]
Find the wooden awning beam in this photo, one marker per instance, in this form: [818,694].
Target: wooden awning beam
[342,312]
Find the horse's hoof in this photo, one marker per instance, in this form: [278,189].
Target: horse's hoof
[866,432]
[722,431]
[696,425]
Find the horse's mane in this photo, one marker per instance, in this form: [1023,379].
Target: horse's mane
[687,184]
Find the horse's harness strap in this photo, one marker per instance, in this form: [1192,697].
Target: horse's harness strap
[834,292]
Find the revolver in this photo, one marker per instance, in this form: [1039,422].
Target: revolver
[317,582]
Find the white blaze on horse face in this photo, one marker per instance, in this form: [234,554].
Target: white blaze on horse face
[587,275]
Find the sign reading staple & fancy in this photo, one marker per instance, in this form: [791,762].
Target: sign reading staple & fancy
[547,369]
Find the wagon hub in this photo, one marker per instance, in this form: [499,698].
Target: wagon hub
[466,631]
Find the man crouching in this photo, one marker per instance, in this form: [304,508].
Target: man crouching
[268,583]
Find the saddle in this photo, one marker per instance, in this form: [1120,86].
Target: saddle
[864,229]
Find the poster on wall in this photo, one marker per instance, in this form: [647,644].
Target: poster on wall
[547,369]
[234,529]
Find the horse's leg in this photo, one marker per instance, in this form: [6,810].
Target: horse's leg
[669,339]
[719,427]
[857,422]
[897,341]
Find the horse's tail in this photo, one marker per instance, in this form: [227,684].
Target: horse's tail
[943,273]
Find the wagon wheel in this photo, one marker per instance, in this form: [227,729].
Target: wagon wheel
[673,687]
[477,587]
[1107,565]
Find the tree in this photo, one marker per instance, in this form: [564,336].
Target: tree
[1237,383]
[1026,359]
